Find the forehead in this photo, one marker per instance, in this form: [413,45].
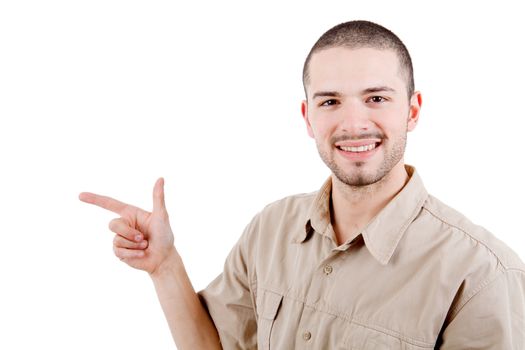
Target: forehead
[341,68]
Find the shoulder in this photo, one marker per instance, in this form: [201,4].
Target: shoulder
[281,220]
[287,214]
[480,240]
[474,261]
[290,205]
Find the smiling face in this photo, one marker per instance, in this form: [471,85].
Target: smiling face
[359,113]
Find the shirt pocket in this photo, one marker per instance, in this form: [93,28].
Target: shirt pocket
[360,337]
[268,305]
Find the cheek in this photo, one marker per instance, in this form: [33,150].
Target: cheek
[322,133]
[316,128]
[394,124]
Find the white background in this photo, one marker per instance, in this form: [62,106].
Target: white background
[107,96]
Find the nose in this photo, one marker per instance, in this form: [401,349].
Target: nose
[355,118]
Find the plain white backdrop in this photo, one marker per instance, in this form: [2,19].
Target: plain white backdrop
[107,96]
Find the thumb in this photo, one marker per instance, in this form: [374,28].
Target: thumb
[159,206]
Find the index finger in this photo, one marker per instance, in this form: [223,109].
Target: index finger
[103,202]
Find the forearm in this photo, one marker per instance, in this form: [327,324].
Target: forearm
[189,322]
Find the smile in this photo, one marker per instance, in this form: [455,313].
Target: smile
[358,146]
[363,148]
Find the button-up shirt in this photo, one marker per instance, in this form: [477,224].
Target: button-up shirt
[418,276]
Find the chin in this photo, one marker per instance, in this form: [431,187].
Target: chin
[357,177]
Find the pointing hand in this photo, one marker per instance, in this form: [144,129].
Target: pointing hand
[143,239]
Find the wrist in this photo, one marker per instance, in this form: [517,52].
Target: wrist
[168,266]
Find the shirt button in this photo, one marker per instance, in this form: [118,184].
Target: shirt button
[307,335]
[328,269]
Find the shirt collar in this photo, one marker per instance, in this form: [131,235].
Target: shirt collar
[384,231]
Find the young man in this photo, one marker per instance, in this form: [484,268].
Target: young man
[370,261]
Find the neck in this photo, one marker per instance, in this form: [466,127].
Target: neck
[352,207]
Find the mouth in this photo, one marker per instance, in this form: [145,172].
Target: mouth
[358,150]
[360,147]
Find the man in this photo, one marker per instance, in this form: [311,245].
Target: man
[370,261]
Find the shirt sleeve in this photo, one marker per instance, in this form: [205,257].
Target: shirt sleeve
[494,318]
[230,297]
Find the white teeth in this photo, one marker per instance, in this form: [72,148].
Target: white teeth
[360,148]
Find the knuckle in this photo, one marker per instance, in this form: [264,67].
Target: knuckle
[118,253]
[113,224]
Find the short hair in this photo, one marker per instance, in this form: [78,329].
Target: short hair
[361,34]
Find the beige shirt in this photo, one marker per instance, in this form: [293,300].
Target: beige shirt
[419,276]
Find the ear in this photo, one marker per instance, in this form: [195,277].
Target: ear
[304,112]
[415,108]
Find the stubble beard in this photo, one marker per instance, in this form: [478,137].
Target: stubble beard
[359,176]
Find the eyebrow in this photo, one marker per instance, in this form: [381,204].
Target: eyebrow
[326,94]
[378,89]
[364,92]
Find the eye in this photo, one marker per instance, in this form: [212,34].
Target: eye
[331,102]
[376,99]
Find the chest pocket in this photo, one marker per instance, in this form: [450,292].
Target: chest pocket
[359,337]
[268,304]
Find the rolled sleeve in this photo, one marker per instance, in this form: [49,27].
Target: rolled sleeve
[230,298]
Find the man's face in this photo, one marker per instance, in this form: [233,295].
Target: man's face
[358,112]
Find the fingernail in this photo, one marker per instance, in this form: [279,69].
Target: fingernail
[138,238]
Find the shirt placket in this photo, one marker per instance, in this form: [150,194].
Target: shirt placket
[323,279]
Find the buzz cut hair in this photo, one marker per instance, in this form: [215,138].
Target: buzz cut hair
[363,34]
